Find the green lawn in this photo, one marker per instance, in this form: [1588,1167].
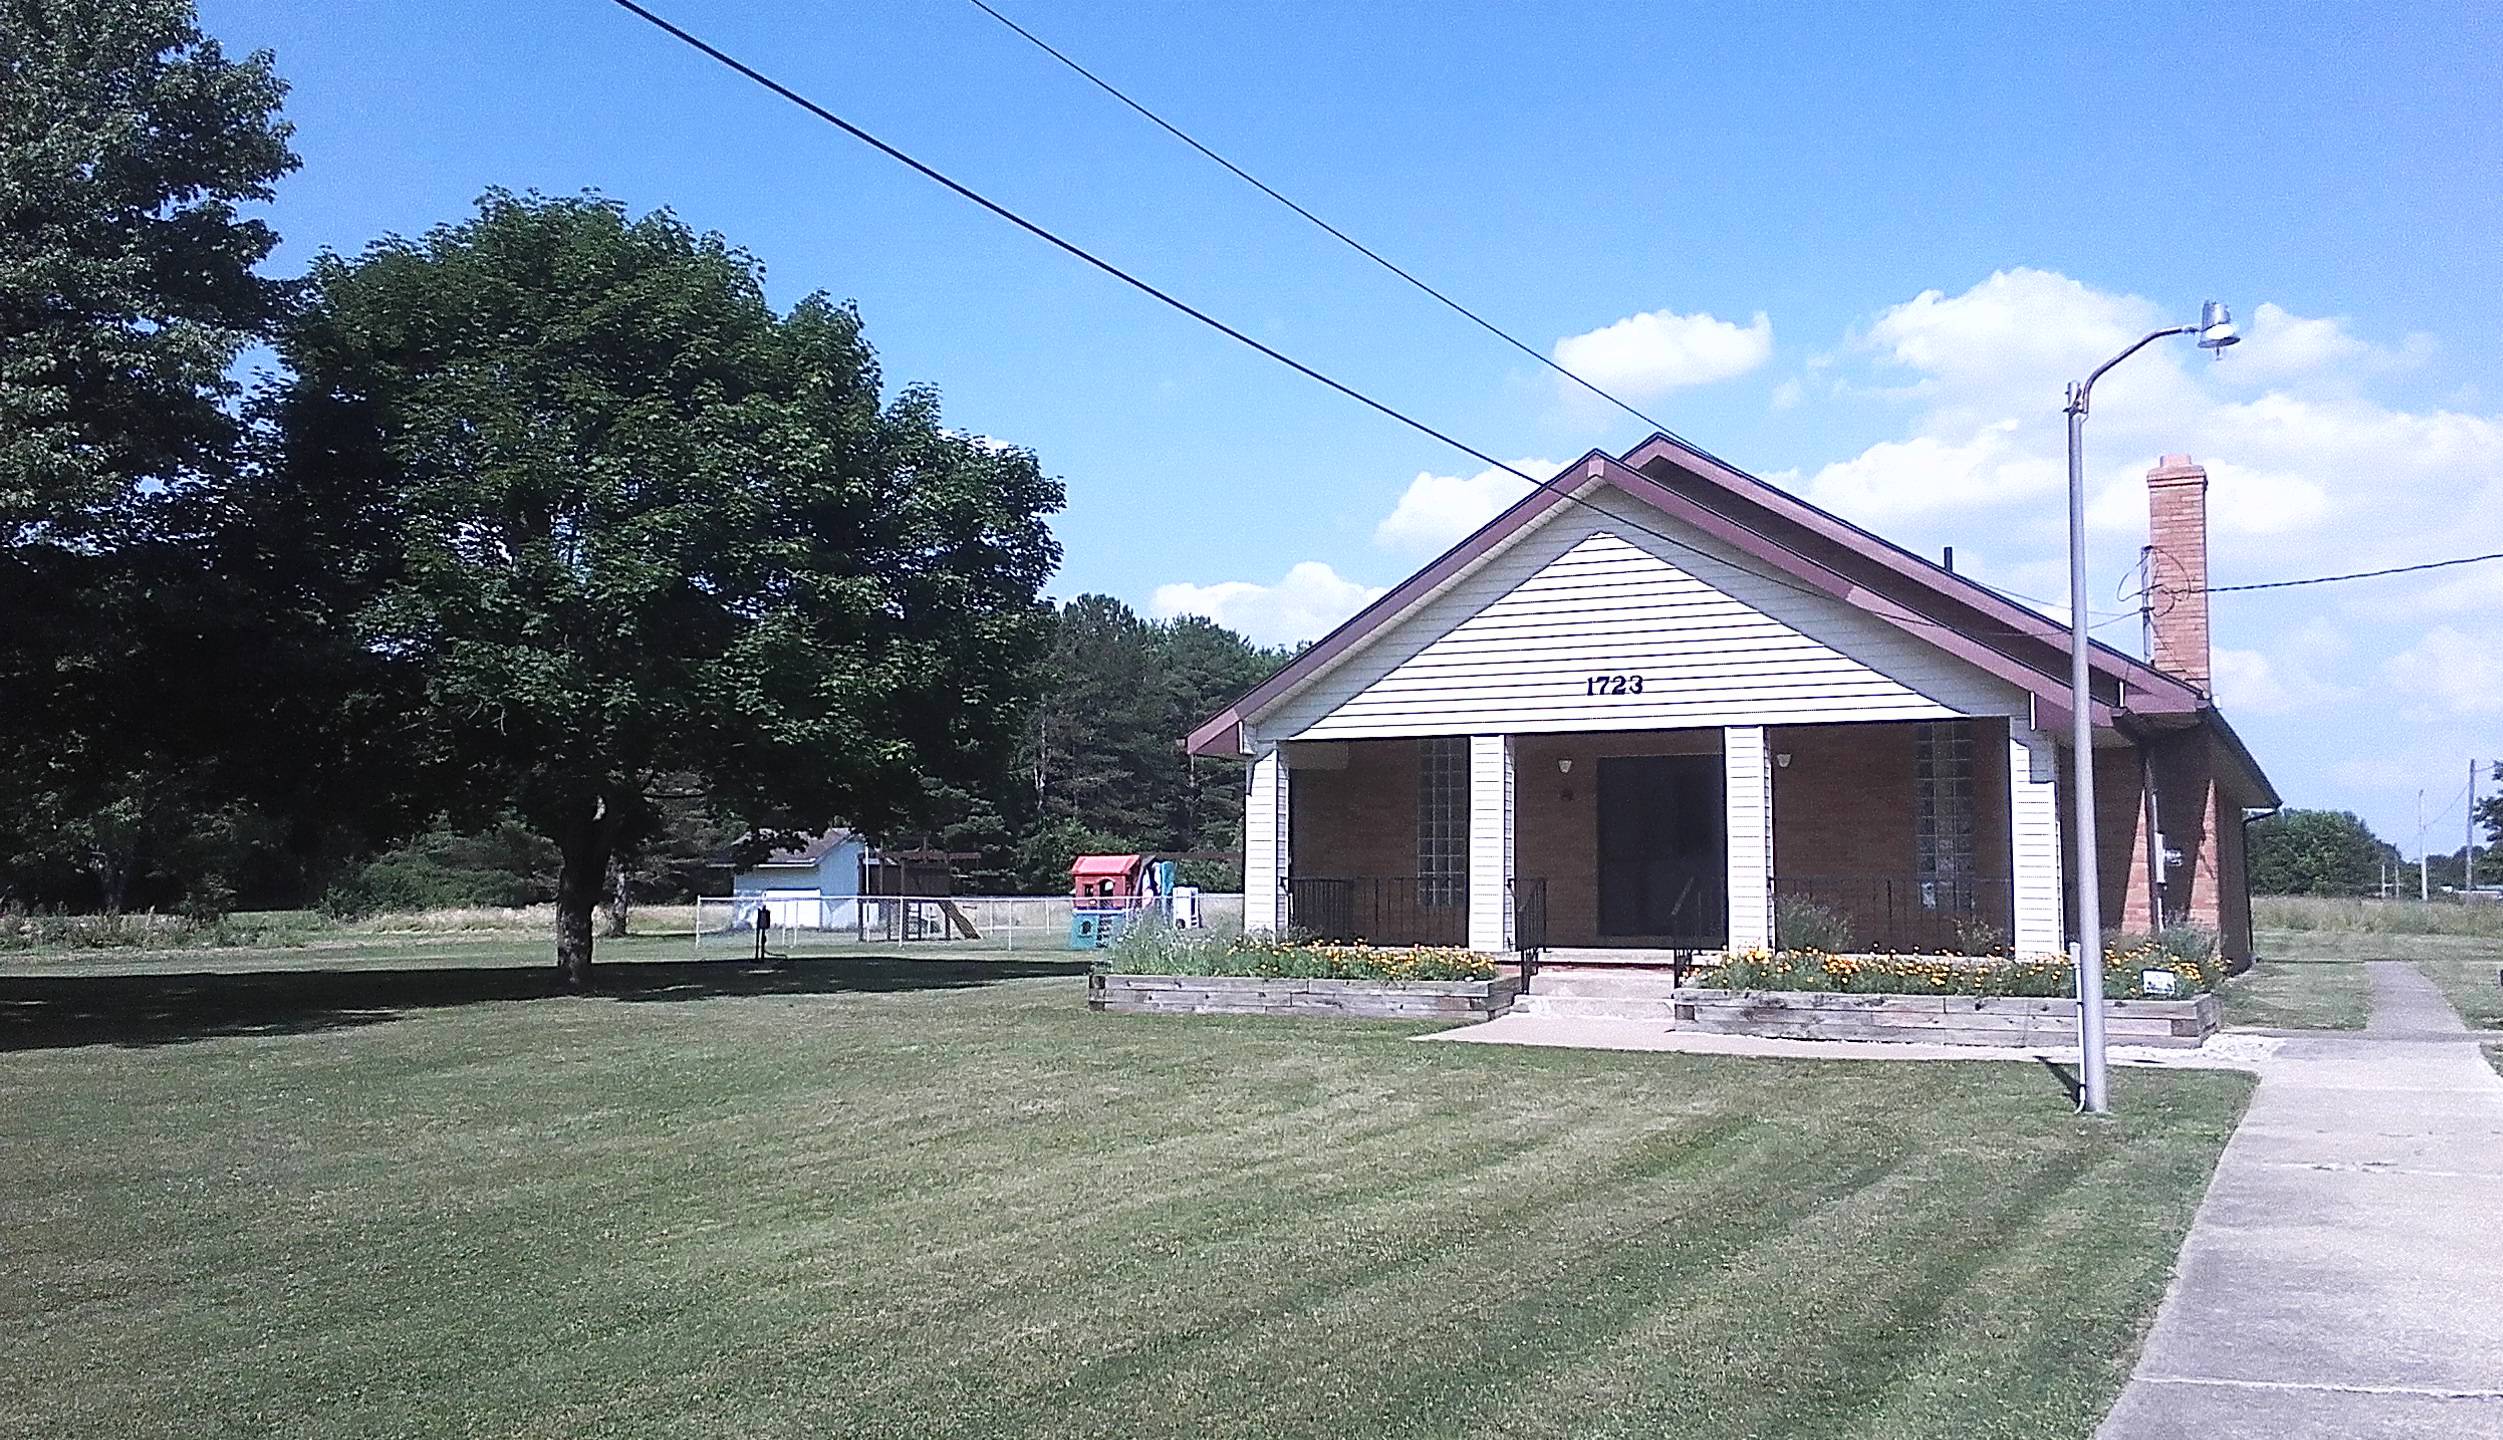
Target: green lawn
[2471,982]
[916,1199]
[2287,993]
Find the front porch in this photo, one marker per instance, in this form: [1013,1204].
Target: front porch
[1872,835]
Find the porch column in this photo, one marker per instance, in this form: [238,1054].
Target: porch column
[2034,841]
[1747,798]
[1490,843]
[1265,857]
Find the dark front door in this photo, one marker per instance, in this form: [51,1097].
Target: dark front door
[1663,851]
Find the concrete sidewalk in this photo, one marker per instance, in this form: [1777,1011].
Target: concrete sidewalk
[2344,1277]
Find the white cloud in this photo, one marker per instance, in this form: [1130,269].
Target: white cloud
[2254,682]
[1652,353]
[2279,344]
[1788,394]
[1895,478]
[1308,602]
[2448,671]
[1437,510]
[2308,473]
[2247,681]
[2006,345]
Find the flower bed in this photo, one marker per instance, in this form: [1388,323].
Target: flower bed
[2187,956]
[1959,999]
[1151,950]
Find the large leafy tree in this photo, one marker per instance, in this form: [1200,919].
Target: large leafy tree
[2316,852]
[616,525]
[129,146]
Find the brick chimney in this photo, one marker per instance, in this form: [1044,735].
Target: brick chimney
[2177,568]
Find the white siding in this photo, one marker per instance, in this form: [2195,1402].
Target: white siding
[1490,842]
[1747,793]
[1511,647]
[2034,840]
[1265,857]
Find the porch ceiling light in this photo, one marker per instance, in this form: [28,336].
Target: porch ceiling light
[1564,764]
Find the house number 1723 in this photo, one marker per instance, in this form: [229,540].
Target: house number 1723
[1612,685]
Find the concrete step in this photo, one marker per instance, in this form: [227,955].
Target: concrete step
[1567,980]
[1597,1007]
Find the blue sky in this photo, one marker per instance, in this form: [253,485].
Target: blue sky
[1857,254]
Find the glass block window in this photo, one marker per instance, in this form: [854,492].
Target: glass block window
[1942,776]
[1443,820]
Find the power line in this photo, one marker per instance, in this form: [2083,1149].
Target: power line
[1078,252]
[1351,242]
[2358,574]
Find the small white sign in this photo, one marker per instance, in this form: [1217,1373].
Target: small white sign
[2159,982]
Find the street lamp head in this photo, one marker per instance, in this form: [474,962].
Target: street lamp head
[2216,328]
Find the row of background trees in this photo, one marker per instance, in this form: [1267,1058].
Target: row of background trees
[2333,852]
[546,557]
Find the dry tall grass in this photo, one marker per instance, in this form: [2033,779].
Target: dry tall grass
[536,919]
[2375,917]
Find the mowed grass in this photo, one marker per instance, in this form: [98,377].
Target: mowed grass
[915,1199]
[2311,971]
[2298,991]
[2474,983]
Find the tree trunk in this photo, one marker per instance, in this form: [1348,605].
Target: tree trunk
[113,869]
[581,876]
[620,903]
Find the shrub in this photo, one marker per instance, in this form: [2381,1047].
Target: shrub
[1977,936]
[2187,950]
[1800,924]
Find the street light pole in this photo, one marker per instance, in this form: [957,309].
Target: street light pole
[2215,331]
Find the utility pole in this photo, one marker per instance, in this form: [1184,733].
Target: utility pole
[2424,862]
[2468,852]
[2215,331]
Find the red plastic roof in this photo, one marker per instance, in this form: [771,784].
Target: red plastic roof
[1104,865]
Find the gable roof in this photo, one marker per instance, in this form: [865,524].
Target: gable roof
[1791,542]
[808,854]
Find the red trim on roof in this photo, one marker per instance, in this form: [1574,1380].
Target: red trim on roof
[2164,692]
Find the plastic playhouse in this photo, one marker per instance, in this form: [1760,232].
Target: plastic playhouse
[1105,891]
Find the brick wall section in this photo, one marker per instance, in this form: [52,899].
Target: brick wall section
[1847,808]
[2177,534]
[1360,821]
[2120,845]
[1844,805]
[2207,887]
[2233,892]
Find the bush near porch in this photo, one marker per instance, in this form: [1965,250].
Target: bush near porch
[1162,950]
[2187,952]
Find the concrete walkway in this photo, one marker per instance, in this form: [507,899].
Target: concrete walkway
[2344,1277]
